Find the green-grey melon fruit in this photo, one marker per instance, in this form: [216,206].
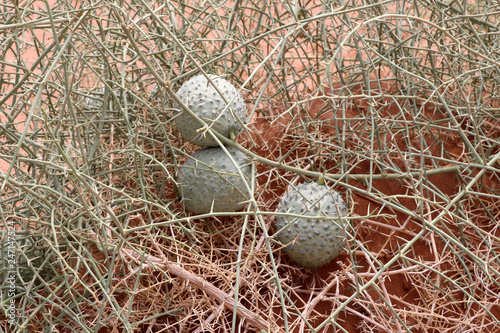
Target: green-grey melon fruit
[312,241]
[206,102]
[209,181]
[113,102]
[21,256]
[95,99]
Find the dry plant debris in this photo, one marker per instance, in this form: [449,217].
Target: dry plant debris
[394,103]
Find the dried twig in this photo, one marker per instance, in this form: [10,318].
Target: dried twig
[155,263]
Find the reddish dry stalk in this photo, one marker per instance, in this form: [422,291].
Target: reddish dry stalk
[227,300]
[210,289]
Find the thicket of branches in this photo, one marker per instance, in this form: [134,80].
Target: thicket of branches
[394,103]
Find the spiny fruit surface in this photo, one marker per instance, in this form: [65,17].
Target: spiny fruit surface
[94,101]
[315,241]
[204,100]
[209,176]
[21,256]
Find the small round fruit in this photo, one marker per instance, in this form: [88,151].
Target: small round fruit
[205,101]
[23,255]
[209,181]
[95,99]
[312,241]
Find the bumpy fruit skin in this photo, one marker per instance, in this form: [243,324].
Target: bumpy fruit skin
[317,241]
[95,99]
[202,98]
[21,256]
[209,176]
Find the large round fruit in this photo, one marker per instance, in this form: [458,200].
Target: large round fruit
[312,241]
[206,102]
[210,181]
[21,256]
